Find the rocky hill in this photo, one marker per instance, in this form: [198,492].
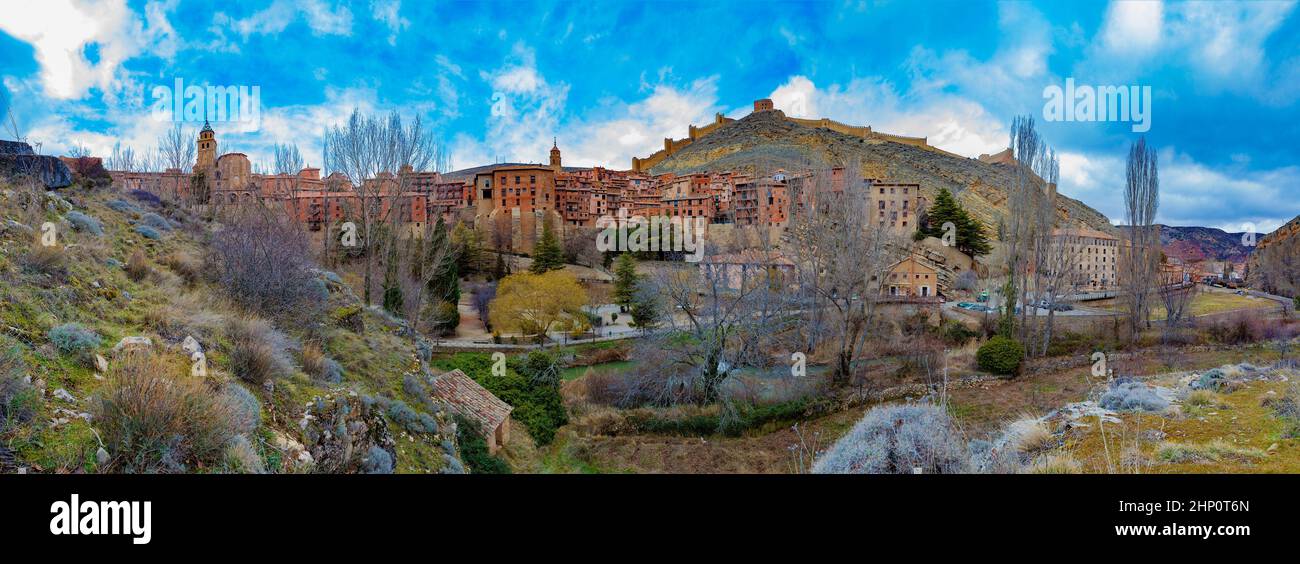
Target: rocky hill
[769,140]
[121,352]
[1193,244]
[1274,265]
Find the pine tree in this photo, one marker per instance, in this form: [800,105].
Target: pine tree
[970,237]
[547,255]
[625,281]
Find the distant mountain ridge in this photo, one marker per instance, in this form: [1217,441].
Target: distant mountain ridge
[1194,244]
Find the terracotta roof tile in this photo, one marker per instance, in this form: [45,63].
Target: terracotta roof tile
[467,398]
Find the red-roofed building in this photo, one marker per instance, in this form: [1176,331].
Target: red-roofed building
[468,399]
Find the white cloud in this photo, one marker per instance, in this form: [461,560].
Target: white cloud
[321,17]
[528,111]
[388,12]
[80,46]
[1191,192]
[1133,27]
[947,121]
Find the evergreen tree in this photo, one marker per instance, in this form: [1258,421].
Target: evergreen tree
[970,237]
[468,247]
[444,282]
[645,311]
[548,255]
[625,280]
[500,271]
[392,286]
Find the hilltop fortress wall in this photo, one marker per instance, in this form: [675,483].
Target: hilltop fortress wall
[673,146]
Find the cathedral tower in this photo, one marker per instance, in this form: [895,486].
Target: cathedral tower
[207,148]
[555,156]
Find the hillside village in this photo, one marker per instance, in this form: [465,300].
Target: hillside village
[209,318]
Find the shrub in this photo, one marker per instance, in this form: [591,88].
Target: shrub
[539,408]
[1287,408]
[474,449]
[85,223]
[153,418]
[1213,379]
[155,221]
[377,461]
[74,340]
[320,367]
[19,401]
[1133,396]
[241,458]
[1000,355]
[416,387]
[187,267]
[541,368]
[49,260]
[956,333]
[261,260]
[408,418]
[122,206]
[137,267]
[896,439]
[148,232]
[246,410]
[258,353]
[145,197]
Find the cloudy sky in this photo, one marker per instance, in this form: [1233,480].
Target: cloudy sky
[611,80]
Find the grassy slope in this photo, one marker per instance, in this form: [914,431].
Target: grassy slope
[103,298]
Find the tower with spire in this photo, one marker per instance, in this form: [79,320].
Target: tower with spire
[207,155]
[555,156]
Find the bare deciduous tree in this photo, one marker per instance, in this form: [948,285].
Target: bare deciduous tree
[288,160]
[1030,211]
[1140,257]
[372,152]
[840,255]
[176,149]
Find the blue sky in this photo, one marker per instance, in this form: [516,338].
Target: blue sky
[612,79]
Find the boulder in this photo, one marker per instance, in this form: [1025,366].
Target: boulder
[132,342]
[17,160]
[191,345]
[341,431]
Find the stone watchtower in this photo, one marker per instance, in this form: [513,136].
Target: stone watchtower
[207,148]
[763,105]
[555,156]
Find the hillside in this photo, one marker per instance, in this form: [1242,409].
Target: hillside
[120,351]
[1194,244]
[1274,266]
[768,139]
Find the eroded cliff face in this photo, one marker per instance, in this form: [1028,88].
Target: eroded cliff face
[767,140]
[1274,265]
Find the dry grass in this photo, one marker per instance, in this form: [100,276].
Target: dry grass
[1217,450]
[137,266]
[1029,436]
[50,260]
[153,417]
[1054,463]
[255,354]
[189,268]
[314,361]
